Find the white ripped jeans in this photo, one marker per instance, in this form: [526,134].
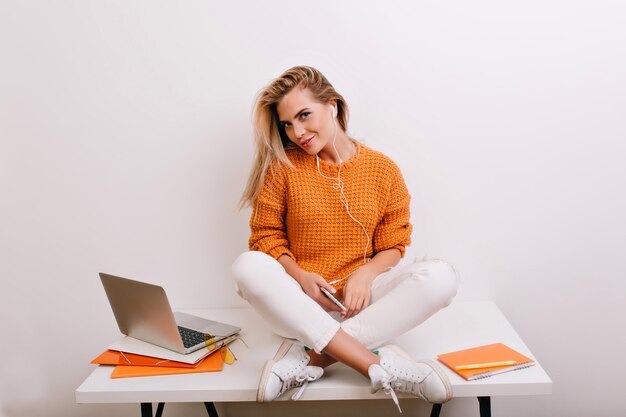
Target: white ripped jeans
[402,298]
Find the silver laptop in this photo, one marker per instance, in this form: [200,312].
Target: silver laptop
[142,311]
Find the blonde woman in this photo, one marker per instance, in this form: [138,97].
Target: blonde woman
[330,213]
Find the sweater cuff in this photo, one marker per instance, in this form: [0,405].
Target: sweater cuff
[402,250]
[279,251]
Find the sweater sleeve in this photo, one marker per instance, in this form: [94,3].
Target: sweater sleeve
[394,229]
[267,223]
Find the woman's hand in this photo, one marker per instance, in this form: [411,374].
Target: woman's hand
[311,283]
[357,292]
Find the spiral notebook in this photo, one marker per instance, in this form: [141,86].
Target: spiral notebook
[497,352]
[212,363]
[113,357]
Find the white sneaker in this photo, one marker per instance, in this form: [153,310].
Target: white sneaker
[288,369]
[397,371]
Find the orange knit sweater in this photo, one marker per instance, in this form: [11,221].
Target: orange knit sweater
[299,212]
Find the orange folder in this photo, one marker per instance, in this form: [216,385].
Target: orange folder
[496,352]
[114,357]
[212,363]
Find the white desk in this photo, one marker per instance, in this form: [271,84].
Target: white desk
[461,325]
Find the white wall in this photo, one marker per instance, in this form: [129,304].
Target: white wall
[125,141]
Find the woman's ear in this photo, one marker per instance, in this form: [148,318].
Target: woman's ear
[333,107]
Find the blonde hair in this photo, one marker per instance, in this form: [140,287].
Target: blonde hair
[270,139]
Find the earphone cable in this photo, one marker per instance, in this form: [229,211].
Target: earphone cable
[342,196]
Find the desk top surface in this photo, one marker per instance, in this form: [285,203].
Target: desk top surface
[461,325]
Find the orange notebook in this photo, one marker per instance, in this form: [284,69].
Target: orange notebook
[496,352]
[212,363]
[114,357]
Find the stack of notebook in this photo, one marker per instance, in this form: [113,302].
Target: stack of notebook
[131,364]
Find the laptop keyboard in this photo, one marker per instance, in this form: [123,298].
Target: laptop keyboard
[190,337]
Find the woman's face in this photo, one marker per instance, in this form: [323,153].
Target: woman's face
[307,122]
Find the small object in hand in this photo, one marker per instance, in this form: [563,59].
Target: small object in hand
[332,298]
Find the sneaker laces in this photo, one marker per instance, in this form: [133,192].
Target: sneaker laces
[389,383]
[301,380]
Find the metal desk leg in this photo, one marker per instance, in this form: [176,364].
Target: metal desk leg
[484,404]
[146,410]
[210,408]
[159,411]
[435,410]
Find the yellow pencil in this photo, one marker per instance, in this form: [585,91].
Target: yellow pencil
[485,365]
